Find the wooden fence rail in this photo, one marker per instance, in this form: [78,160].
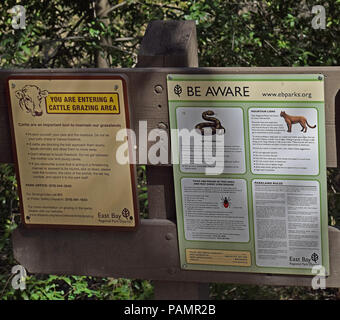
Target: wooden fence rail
[152,251]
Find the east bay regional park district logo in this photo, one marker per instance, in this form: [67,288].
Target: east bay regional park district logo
[125,213]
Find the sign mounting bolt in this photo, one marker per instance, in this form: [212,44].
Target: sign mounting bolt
[169,236]
[162,126]
[171,270]
[158,89]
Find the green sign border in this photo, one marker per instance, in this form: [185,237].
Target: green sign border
[248,175]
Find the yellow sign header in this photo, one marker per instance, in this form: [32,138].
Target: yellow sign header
[200,88]
[88,103]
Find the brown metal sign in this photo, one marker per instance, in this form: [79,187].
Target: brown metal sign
[72,171]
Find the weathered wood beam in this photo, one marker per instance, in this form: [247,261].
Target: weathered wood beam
[149,253]
[147,104]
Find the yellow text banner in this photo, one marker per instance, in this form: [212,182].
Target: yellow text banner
[218,257]
[82,103]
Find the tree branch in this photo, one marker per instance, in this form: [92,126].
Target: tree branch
[107,11]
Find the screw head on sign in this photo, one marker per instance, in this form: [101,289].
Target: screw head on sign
[13,85]
[158,89]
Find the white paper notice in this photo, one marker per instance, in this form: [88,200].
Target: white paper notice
[284,141]
[198,151]
[287,223]
[215,209]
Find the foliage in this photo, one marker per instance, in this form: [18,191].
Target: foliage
[142,191]
[63,33]
[254,292]
[333,184]
[68,34]
[8,204]
[51,287]
[265,33]
[80,288]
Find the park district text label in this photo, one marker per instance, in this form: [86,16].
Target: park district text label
[65,137]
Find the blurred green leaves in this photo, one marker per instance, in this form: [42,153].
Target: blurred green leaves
[62,33]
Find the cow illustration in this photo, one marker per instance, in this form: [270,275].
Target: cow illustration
[30,98]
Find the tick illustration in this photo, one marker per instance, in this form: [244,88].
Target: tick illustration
[226,202]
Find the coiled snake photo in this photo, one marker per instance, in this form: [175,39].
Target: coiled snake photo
[213,123]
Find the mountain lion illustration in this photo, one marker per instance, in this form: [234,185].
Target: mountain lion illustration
[290,120]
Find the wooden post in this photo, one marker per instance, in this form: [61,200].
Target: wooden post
[101,8]
[168,44]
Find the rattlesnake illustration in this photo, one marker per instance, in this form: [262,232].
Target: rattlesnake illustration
[213,123]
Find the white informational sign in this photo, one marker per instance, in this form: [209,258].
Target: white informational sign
[221,214]
[283,143]
[232,150]
[287,223]
[250,174]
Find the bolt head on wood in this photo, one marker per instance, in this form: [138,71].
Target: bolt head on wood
[172,270]
[158,89]
[169,236]
[162,125]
